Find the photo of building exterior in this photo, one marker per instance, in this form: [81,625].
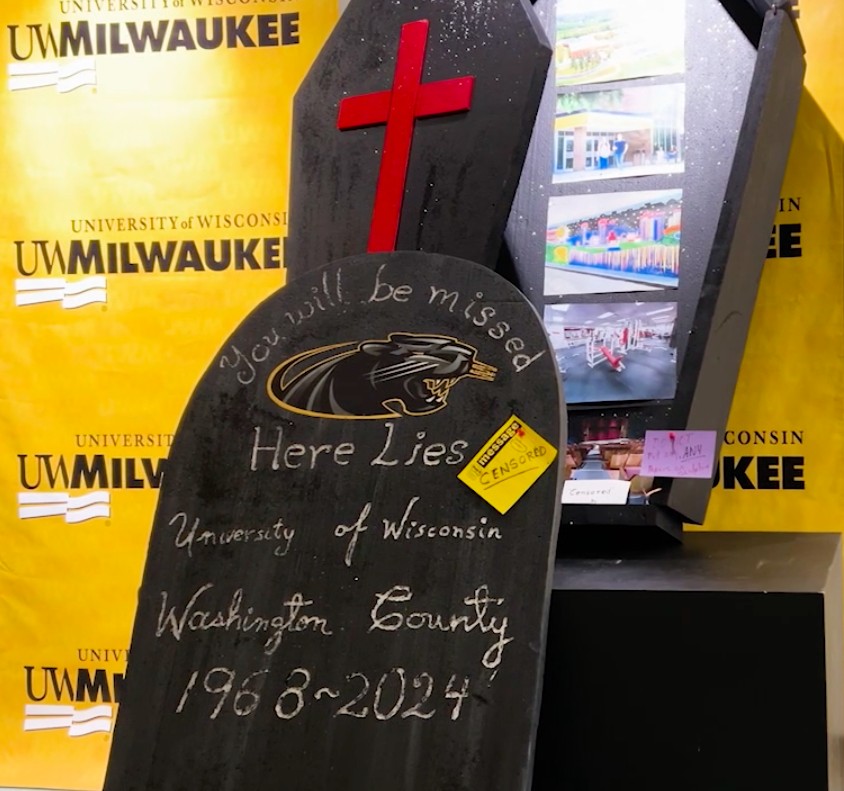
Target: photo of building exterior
[622,132]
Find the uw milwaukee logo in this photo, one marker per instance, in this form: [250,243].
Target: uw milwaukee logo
[51,484]
[407,374]
[46,267]
[762,460]
[64,56]
[54,696]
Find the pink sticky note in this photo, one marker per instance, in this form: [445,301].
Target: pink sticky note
[679,454]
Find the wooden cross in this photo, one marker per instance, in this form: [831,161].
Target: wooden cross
[399,108]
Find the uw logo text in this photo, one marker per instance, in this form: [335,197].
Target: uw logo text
[165,35]
[64,54]
[44,266]
[42,474]
[786,236]
[761,472]
[65,690]
[89,471]
[766,470]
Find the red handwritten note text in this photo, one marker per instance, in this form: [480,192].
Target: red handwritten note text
[679,454]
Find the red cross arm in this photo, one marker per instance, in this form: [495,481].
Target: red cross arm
[445,96]
[368,109]
[371,109]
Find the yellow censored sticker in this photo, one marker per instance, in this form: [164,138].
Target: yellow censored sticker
[508,465]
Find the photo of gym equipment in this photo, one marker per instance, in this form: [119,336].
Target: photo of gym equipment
[604,40]
[613,242]
[635,131]
[624,351]
[602,448]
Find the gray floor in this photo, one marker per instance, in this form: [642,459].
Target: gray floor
[627,171]
[647,375]
[559,282]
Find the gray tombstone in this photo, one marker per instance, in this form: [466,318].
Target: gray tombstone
[348,577]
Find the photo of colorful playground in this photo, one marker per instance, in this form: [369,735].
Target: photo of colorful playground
[630,131]
[616,352]
[613,242]
[606,40]
[606,447]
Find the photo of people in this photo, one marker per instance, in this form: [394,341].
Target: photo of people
[607,446]
[606,40]
[624,351]
[613,242]
[635,131]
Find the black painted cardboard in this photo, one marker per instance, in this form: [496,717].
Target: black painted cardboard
[464,168]
[743,81]
[329,373]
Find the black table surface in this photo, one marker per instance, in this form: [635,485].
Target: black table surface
[710,561]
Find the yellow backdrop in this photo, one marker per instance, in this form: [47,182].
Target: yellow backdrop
[117,161]
[780,466]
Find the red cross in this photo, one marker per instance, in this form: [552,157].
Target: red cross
[399,108]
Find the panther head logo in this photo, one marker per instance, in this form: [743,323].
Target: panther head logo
[406,374]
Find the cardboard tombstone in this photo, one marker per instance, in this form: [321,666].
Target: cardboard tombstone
[349,572]
[348,578]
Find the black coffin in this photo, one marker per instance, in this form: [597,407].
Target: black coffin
[741,82]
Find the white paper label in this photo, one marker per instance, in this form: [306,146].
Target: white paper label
[604,492]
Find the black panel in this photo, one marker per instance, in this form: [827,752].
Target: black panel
[740,107]
[703,666]
[684,690]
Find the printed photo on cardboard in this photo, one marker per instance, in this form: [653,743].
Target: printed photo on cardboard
[619,133]
[608,445]
[613,242]
[623,351]
[605,40]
